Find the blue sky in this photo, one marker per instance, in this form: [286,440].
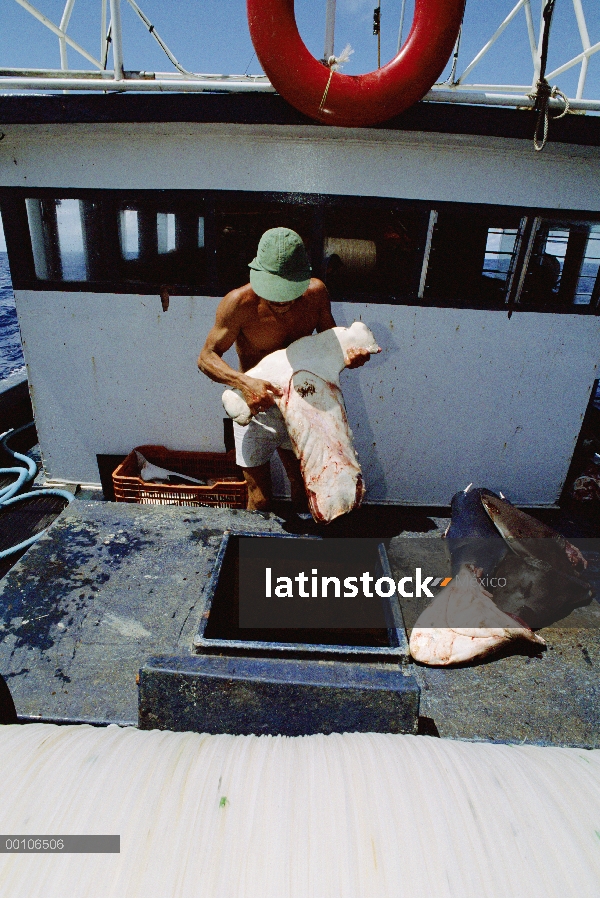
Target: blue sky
[212,36]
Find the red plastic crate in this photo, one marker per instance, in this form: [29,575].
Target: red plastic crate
[228,492]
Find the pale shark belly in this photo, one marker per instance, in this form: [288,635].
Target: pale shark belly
[315,416]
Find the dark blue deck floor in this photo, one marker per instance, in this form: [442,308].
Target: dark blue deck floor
[112,584]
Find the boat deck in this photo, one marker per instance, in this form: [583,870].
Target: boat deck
[111,584]
[549,697]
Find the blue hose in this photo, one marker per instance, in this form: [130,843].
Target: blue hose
[24,475]
[7,492]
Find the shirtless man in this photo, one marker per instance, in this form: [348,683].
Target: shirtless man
[280,304]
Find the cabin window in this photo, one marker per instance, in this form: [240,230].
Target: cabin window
[370,250]
[103,240]
[563,266]
[588,283]
[366,249]
[129,234]
[70,240]
[58,229]
[239,227]
[38,213]
[472,256]
[165,225]
[499,253]
[161,245]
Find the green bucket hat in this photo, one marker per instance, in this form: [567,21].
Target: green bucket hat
[281,270]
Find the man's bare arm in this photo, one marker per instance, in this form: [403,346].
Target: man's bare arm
[230,317]
[228,322]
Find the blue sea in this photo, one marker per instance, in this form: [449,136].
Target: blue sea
[11,353]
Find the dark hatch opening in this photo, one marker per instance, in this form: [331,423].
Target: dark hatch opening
[223,620]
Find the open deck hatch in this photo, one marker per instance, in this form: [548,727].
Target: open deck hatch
[380,634]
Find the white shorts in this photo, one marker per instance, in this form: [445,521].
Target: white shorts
[257,441]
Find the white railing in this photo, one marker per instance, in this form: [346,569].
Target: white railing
[514,94]
[456,89]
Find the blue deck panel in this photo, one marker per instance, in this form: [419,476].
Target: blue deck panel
[109,585]
[291,697]
[112,585]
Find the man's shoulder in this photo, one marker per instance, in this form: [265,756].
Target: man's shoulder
[316,286]
[318,295]
[239,303]
[317,292]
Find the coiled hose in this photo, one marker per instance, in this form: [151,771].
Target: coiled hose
[23,475]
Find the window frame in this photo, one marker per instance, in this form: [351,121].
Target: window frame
[211,203]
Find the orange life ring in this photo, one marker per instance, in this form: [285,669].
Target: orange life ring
[353,99]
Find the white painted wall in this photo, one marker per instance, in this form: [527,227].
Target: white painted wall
[310,159]
[456,395]
[461,396]
[109,372]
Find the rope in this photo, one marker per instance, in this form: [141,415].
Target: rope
[248,66]
[377,31]
[543,92]
[108,43]
[333,64]
[542,96]
[152,30]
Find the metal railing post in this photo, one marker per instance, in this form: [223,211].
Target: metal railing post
[401,26]
[492,40]
[530,31]
[64,22]
[329,29]
[117,43]
[585,41]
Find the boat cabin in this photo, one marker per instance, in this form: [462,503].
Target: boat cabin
[474,260]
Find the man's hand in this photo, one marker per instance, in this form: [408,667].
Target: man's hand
[258,394]
[356,358]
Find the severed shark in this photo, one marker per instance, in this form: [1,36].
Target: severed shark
[535,574]
[312,405]
[543,570]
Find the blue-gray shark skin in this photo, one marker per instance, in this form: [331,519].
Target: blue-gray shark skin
[529,538]
[472,536]
[465,622]
[542,572]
